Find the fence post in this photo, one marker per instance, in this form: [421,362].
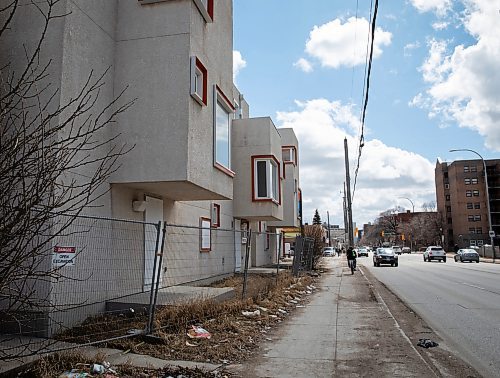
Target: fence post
[247,256]
[149,327]
[278,254]
[297,255]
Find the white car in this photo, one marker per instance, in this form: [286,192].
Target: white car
[434,252]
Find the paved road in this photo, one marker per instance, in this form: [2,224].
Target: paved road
[460,301]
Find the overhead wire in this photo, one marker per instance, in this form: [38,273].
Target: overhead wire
[366,90]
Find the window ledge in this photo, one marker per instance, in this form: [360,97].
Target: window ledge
[226,170]
[203,10]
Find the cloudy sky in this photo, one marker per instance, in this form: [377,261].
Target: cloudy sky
[434,86]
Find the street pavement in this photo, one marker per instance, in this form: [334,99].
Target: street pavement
[344,331]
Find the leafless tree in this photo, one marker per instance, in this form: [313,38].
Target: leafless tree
[55,160]
[316,232]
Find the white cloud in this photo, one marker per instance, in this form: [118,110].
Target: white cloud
[440,25]
[438,6]
[385,172]
[410,46]
[337,44]
[238,64]
[304,65]
[464,80]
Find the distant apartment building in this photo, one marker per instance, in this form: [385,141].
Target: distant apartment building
[461,195]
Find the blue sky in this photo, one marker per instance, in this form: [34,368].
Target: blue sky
[435,85]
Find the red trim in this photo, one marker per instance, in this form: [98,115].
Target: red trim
[217,207]
[210,8]
[228,102]
[225,170]
[204,71]
[201,234]
[255,157]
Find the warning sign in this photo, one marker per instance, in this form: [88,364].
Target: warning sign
[63,256]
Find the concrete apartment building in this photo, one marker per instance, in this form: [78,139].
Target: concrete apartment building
[199,159]
[461,195]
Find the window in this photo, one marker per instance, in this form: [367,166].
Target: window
[468,193]
[470,218]
[479,230]
[472,230]
[206,8]
[475,193]
[215,215]
[477,205]
[199,80]
[289,154]
[450,220]
[266,184]
[447,186]
[447,197]
[223,110]
[205,235]
[469,205]
[466,168]
[467,181]
[472,243]
[477,218]
[473,180]
[448,209]
[480,243]
[473,168]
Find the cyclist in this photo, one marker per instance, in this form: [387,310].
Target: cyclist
[351,259]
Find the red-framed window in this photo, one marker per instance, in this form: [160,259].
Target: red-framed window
[199,81]
[266,178]
[215,215]
[205,235]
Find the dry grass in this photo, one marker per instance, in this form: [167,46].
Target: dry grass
[234,337]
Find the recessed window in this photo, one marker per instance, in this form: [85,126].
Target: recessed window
[470,218]
[199,80]
[473,168]
[223,110]
[480,243]
[472,242]
[468,193]
[205,235]
[466,168]
[448,209]
[467,181]
[215,215]
[477,205]
[289,154]
[266,178]
[447,186]
[477,218]
[479,230]
[475,193]
[447,197]
[472,230]
[473,181]
[469,205]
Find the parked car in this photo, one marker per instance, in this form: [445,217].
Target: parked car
[328,251]
[434,252]
[362,251]
[396,249]
[385,256]
[466,254]
[406,250]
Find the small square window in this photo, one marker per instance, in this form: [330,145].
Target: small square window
[469,205]
[448,209]
[472,230]
[473,242]
[479,230]
[468,193]
[466,168]
[470,218]
[473,168]
[215,215]
[467,181]
[477,205]
[480,243]
[289,154]
[477,218]
[447,186]
[199,80]
[475,193]
[473,181]
[447,197]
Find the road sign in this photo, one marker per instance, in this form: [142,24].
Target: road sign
[492,234]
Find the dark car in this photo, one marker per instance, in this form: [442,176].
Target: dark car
[385,256]
[467,254]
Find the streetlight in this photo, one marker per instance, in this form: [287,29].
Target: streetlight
[412,205]
[487,195]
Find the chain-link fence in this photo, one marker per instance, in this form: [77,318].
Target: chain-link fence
[105,278]
[303,258]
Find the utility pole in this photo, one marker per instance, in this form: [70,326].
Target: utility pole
[328,223]
[346,226]
[348,184]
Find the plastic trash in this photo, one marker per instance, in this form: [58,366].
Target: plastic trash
[427,343]
[198,333]
[74,374]
[251,314]
[98,369]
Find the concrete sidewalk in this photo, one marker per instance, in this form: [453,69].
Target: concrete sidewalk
[344,331]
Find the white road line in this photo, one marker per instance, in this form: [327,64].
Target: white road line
[477,287]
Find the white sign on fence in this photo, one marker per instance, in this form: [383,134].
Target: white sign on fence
[63,256]
[492,234]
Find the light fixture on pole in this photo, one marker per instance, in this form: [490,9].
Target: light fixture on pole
[491,233]
[412,205]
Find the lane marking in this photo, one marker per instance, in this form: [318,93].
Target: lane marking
[477,287]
